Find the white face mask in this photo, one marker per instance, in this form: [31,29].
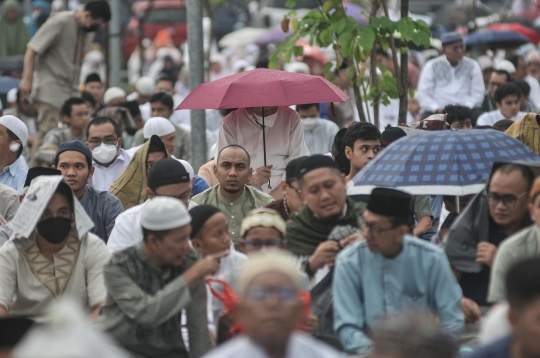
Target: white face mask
[105,153]
[310,123]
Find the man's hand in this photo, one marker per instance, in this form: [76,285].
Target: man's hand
[209,265]
[308,324]
[261,176]
[325,254]
[486,253]
[25,86]
[351,239]
[470,310]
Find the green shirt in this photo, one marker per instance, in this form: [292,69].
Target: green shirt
[521,246]
[144,304]
[235,211]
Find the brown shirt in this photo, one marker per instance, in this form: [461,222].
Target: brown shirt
[61,45]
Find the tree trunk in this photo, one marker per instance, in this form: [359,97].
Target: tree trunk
[373,68]
[404,94]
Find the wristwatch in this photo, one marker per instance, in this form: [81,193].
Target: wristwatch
[305,267]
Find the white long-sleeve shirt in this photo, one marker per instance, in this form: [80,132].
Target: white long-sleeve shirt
[284,140]
[534,96]
[441,84]
[490,118]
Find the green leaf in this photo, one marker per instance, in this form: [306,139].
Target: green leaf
[298,50]
[350,72]
[291,13]
[338,27]
[291,3]
[406,28]
[273,64]
[287,55]
[344,41]
[328,5]
[337,15]
[367,37]
[388,24]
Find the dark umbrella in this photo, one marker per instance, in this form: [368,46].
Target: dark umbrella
[496,39]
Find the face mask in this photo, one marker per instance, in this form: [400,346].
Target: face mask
[105,153]
[90,28]
[54,230]
[310,123]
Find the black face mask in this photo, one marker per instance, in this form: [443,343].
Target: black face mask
[90,28]
[54,230]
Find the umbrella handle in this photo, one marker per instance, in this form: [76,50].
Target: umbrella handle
[264,143]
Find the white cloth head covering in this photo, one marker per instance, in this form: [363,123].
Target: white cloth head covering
[297,67]
[164,213]
[533,56]
[507,66]
[240,65]
[17,126]
[268,261]
[145,86]
[485,62]
[158,126]
[113,93]
[12,95]
[68,334]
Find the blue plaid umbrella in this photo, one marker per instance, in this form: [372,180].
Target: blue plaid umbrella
[446,162]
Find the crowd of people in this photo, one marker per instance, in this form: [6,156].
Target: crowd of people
[261,252]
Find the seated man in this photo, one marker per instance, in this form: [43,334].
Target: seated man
[51,255]
[168,177]
[270,325]
[412,274]
[74,160]
[75,116]
[291,202]
[458,116]
[523,245]
[13,136]
[151,283]
[130,185]
[318,133]
[109,159]
[508,102]
[495,214]
[233,196]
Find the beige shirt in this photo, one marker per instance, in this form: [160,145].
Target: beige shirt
[29,282]
[9,202]
[61,45]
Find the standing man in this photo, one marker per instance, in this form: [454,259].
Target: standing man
[13,136]
[61,44]
[284,142]
[319,133]
[109,159]
[451,78]
[412,274]
[143,311]
[232,195]
[74,160]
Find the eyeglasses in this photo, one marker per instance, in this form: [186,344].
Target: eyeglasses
[97,142]
[509,200]
[184,197]
[374,228]
[284,295]
[257,244]
[457,48]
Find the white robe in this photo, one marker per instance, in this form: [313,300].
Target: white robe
[284,140]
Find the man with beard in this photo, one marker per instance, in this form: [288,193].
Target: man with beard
[53,61]
[232,195]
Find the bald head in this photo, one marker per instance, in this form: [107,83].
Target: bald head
[228,149]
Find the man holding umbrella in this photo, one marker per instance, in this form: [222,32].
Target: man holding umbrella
[284,142]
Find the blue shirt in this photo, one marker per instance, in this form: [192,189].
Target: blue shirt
[368,287]
[199,185]
[498,349]
[14,175]
[103,208]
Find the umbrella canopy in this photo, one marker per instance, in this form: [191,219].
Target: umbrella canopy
[530,33]
[263,88]
[496,39]
[242,37]
[445,162]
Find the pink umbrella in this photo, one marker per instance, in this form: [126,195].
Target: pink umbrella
[263,88]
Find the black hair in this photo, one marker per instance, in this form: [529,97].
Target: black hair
[87,97]
[235,146]
[505,90]
[13,137]
[523,86]
[338,152]
[65,190]
[132,107]
[159,234]
[508,168]
[163,97]
[523,284]
[333,170]
[409,222]
[303,107]
[98,10]
[102,120]
[167,79]
[380,51]
[451,198]
[68,104]
[262,62]
[505,73]
[514,59]
[361,131]
[457,113]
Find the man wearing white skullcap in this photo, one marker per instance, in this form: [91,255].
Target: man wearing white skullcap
[143,311]
[13,136]
[114,96]
[144,87]
[163,128]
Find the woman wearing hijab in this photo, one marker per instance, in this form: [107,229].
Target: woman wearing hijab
[13,31]
[51,254]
